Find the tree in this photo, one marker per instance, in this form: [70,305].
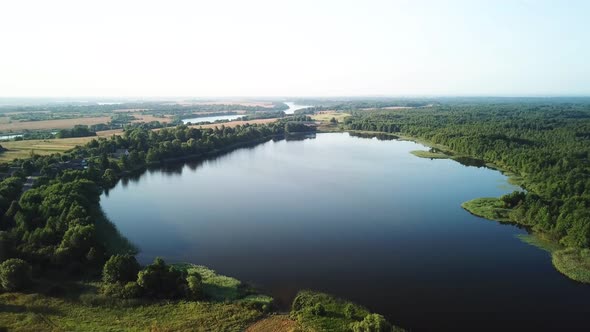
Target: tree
[77,241]
[372,323]
[318,309]
[120,268]
[15,274]
[7,245]
[195,285]
[109,177]
[349,311]
[159,280]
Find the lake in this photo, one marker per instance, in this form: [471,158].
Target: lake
[359,218]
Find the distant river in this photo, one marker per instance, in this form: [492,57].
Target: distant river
[212,118]
[359,218]
[292,108]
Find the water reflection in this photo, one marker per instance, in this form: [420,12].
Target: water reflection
[360,218]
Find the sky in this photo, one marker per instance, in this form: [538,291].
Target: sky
[205,48]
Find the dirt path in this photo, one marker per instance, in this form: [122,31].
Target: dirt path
[277,323]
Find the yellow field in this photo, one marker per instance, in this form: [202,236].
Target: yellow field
[51,124]
[232,124]
[150,118]
[327,115]
[23,149]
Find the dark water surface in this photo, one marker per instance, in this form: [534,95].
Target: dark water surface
[359,218]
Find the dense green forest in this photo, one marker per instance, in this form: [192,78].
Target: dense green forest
[547,144]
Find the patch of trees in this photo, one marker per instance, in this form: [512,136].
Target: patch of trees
[77,131]
[263,115]
[123,278]
[546,143]
[53,225]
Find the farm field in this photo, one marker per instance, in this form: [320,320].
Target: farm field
[51,124]
[23,149]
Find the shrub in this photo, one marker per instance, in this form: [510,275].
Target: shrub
[131,290]
[15,274]
[78,240]
[6,245]
[113,290]
[120,268]
[195,285]
[372,323]
[349,311]
[161,281]
[318,310]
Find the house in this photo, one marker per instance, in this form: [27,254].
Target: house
[120,153]
[74,164]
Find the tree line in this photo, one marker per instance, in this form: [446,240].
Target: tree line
[55,225]
[548,144]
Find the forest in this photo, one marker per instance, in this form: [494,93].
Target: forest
[546,144]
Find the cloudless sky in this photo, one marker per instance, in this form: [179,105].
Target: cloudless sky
[294,48]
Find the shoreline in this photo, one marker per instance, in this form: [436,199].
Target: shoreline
[573,263]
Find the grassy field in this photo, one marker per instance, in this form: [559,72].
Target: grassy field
[487,207]
[232,124]
[276,323]
[429,154]
[327,115]
[18,127]
[574,263]
[228,308]
[23,149]
[339,314]
[150,118]
[34,312]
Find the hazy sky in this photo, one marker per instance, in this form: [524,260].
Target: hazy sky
[294,48]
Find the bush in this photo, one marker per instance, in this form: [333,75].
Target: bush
[113,290]
[15,274]
[349,311]
[130,290]
[372,323]
[120,268]
[161,281]
[7,246]
[195,286]
[318,310]
[78,240]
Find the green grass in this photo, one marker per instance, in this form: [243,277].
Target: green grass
[230,306]
[537,240]
[573,262]
[329,115]
[215,286]
[487,207]
[23,149]
[34,312]
[429,154]
[335,318]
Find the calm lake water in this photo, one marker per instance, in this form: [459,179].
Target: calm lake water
[359,218]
